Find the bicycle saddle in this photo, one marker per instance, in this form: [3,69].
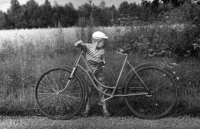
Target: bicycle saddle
[125,50]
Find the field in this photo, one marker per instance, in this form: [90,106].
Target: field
[26,54]
[45,36]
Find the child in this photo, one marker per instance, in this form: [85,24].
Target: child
[95,57]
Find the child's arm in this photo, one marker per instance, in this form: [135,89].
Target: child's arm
[79,44]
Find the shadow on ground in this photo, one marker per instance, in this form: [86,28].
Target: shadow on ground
[117,108]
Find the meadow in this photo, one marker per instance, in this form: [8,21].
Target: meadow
[25,54]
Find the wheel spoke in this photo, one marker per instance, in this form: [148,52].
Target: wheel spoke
[50,101]
[49,82]
[47,96]
[68,101]
[162,84]
[56,104]
[45,87]
[61,103]
[71,85]
[73,97]
[65,101]
[51,76]
[161,98]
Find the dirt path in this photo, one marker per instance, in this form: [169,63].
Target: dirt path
[15,122]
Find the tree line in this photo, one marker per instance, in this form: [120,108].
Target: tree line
[33,15]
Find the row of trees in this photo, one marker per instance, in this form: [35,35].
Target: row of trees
[33,15]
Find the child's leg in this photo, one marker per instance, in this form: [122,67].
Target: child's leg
[88,105]
[104,104]
[100,76]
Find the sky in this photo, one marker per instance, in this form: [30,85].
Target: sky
[5,4]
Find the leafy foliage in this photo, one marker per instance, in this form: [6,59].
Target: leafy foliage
[33,15]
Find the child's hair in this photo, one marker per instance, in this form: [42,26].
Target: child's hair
[95,40]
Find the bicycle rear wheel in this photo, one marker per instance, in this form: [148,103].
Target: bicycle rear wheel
[161,96]
[56,104]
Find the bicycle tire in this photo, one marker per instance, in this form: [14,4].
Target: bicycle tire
[156,104]
[60,106]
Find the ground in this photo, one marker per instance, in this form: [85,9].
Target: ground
[98,122]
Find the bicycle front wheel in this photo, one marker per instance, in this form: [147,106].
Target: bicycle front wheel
[161,88]
[55,103]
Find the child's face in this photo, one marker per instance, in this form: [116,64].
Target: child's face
[101,43]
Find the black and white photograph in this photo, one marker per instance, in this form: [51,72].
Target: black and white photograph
[99,64]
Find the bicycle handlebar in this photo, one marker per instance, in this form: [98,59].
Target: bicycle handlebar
[126,50]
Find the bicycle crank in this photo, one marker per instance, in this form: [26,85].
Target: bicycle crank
[150,94]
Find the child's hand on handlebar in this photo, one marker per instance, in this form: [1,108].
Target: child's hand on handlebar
[79,44]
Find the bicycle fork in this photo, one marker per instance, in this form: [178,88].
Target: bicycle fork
[69,79]
[73,71]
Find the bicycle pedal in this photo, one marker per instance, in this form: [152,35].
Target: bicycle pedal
[149,95]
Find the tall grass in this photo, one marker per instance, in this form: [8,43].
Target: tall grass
[26,54]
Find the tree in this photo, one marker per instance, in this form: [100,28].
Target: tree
[176,3]
[32,14]
[71,15]
[85,10]
[7,24]
[123,7]
[2,20]
[15,14]
[46,15]
[134,10]
[145,13]
[106,17]
[14,5]
[58,13]
[101,16]
[102,5]
[114,12]
[154,6]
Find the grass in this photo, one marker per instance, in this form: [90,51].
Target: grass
[96,122]
[26,54]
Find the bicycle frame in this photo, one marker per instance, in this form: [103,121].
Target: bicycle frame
[95,81]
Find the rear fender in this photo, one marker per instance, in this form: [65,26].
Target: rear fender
[131,72]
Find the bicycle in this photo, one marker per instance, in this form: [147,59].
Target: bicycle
[149,91]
